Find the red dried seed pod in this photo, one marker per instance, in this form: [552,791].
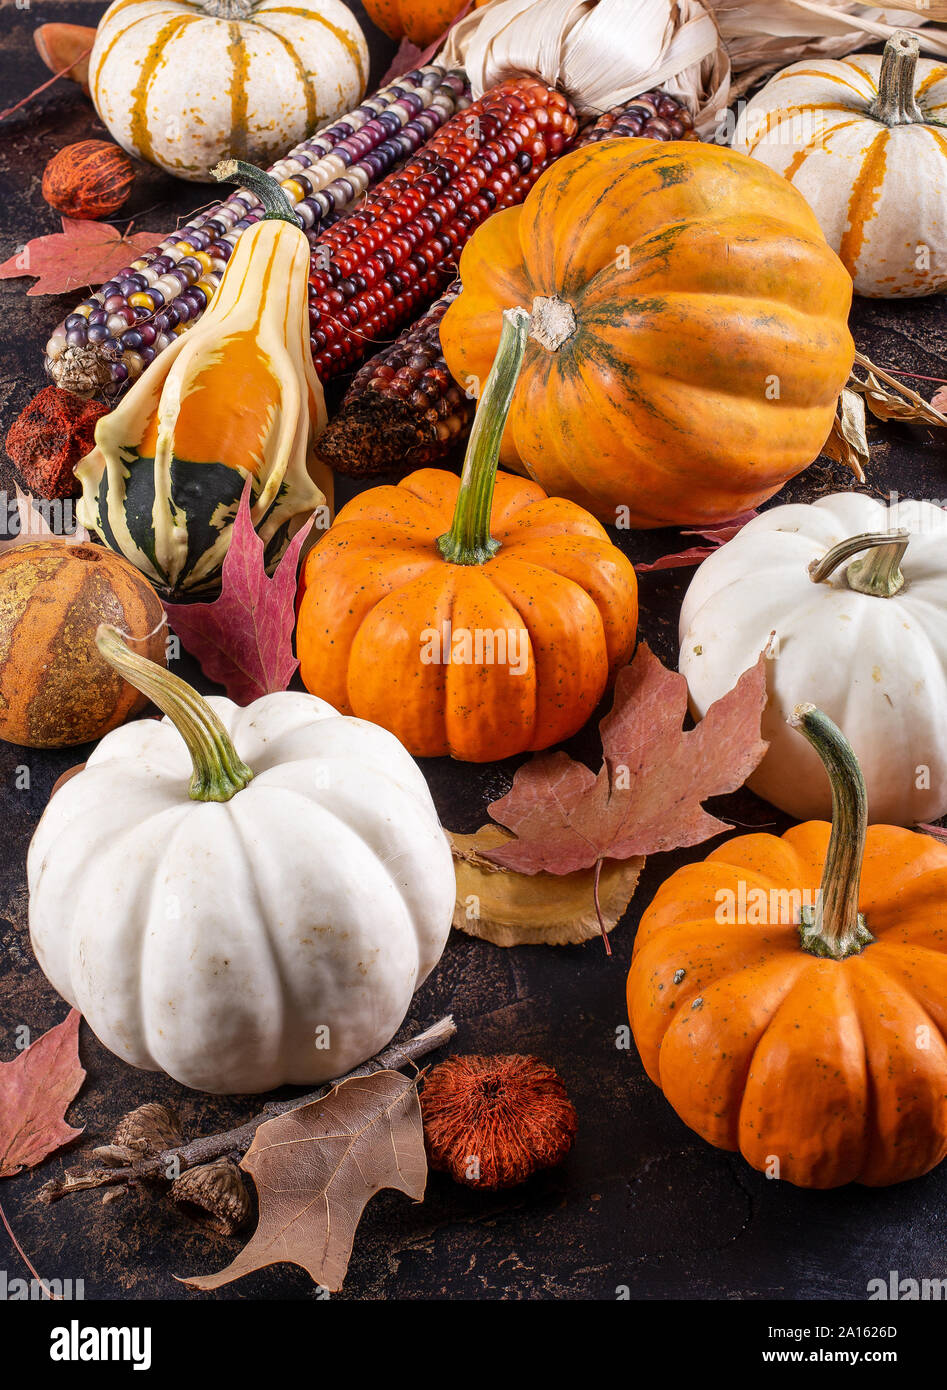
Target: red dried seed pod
[49,437]
[90,179]
[490,1122]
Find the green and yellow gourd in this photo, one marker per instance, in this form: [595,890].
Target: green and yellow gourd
[235,397]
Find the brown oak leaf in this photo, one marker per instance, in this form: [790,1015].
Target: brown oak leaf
[36,1089]
[647,797]
[83,253]
[317,1167]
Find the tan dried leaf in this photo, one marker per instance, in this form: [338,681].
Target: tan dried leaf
[848,441]
[508,908]
[316,1168]
[890,399]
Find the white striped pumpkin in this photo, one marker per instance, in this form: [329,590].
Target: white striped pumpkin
[864,140]
[184,84]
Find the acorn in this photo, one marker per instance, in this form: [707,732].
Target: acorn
[88,180]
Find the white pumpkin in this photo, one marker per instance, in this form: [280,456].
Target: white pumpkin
[863,140]
[185,83]
[875,664]
[273,937]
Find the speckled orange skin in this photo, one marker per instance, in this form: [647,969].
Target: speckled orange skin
[817,1063]
[711,330]
[376,582]
[421,21]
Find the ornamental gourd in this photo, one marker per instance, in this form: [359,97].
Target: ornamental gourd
[856,595]
[789,994]
[864,140]
[266,927]
[481,636]
[185,84]
[237,396]
[697,335]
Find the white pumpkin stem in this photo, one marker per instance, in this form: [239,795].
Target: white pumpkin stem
[834,928]
[895,103]
[219,772]
[878,572]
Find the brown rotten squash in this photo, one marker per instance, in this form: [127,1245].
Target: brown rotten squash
[697,330]
[789,994]
[473,616]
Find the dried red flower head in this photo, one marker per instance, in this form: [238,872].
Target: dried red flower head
[49,437]
[492,1121]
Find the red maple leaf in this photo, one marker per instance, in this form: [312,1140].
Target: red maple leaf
[647,797]
[244,639]
[717,536]
[82,254]
[36,1089]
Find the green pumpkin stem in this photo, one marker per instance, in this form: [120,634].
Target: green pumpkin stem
[878,572]
[219,772]
[895,103]
[468,542]
[276,205]
[834,928]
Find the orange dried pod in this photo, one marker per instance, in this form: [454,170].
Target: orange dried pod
[90,179]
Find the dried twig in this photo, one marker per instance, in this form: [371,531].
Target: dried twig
[170,1163]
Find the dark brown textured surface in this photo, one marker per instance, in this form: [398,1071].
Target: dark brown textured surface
[640,1202]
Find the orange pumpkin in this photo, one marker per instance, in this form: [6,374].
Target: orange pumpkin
[459,641]
[421,21]
[789,994]
[697,340]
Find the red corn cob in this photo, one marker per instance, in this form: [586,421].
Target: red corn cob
[375,269]
[403,409]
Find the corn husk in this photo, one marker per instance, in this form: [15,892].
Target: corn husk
[705,52]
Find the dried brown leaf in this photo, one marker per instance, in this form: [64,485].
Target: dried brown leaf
[890,399]
[508,908]
[848,441]
[316,1168]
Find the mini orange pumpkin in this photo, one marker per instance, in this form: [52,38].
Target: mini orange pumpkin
[698,336]
[805,1025]
[420,21]
[456,640]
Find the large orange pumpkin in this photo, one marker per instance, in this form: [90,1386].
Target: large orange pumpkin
[698,336]
[472,616]
[805,1025]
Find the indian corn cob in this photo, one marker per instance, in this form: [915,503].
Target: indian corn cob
[375,269]
[403,409]
[111,337]
[655,115]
